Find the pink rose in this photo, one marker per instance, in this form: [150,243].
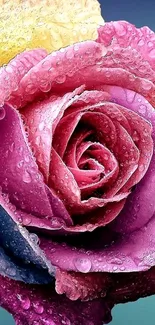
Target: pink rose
[77,130]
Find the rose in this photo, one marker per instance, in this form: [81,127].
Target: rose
[63,173]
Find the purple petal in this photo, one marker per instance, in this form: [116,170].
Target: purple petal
[40,305]
[140,205]
[133,252]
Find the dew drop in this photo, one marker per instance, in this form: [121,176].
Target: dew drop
[11,271]
[41,126]
[117,261]
[48,322]
[83,265]
[2,113]
[38,140]
[142,109]
[25,302]
[141,43]
[76,47]
[152,54]
[35,322]
[26,177]
[60,79]
[27,159]
[27,220]
[39,309]
[34,238]
[150,44]
[135,136]
[66,321]
[141,168]
[20,164]
[106,157]
[12,146]
[50,311]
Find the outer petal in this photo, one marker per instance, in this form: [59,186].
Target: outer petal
[40,305]
[65,70]
[19,175]
[140,205]
[124,42]
[20,244]
[11,75]
[133,252]
[20,271]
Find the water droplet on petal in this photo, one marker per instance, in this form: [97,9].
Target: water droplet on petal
[152,54]
[142,109]
[117,261]
[34,238]
[20,164]
[141,43]
[76,47]
[141,168]
[41,126]
[66,321]
[61,79]
[35,322]
[39,309]
[25,302]
[26,177]
[12,146]
[83,265]
[11,271]
[2,113]
[27,220]
[50,311]
[27,159]
[48,322]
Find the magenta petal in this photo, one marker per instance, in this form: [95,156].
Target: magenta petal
[131,253]
[41,305]
[19,175]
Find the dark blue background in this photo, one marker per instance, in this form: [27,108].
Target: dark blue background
[140,13]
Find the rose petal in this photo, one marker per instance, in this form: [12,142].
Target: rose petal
[140,204]
[132,49]
[65,74]
[41,119]
[129,47]
[41,305]
[19,175]
[82,286]
[18,241]
[118,288]
[58,69]
[11,75]
[128,253]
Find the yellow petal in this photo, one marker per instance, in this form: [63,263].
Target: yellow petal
[51,24]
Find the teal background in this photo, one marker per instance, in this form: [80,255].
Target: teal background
[140,13]
[141,312]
